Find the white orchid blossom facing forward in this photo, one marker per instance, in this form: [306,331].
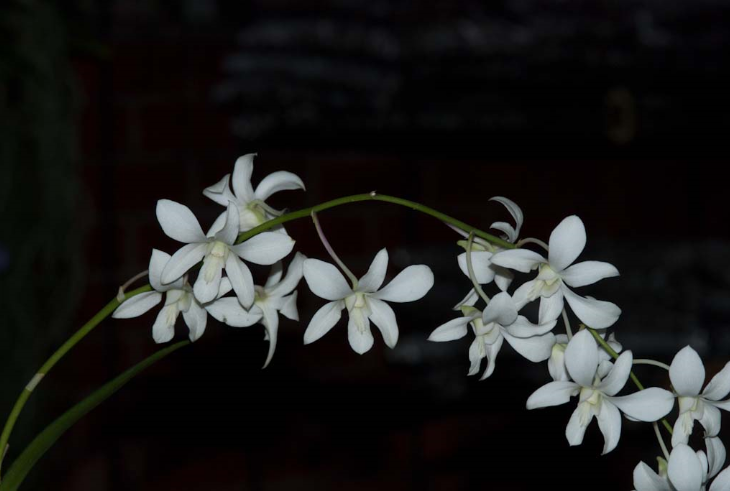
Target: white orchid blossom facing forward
[497,323]
[556,275]
[365,301]
[217,251]
[179,299]
[687,374]
[272,299]
[597,389]
[251,204]
[686,470]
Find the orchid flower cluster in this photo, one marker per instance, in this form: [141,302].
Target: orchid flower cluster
[209,275]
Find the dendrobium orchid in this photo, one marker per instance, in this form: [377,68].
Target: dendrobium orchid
[365,301]
[482,252]
[272,299]
[687,374]
[251,205]
[597,393]
[179,298]
[556,275]
[218,251]
[497,323]
[686,470]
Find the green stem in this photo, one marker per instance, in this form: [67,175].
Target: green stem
[55,357]
[635,379]
[306,212]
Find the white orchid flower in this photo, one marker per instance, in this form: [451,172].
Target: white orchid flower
[556,362]
[556,274]
[598,393]
[365,301]
[272,299]
[687,374]
[499,322]
[217,250]
[482,252]
[251,205]
[686,470]
[179,298]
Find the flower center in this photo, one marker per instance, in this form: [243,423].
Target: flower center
[252,215]
[546,283]
[359,310]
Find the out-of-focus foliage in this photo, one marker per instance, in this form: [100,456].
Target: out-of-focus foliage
[40,236]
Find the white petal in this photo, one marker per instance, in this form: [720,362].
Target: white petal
[411,284]
[289,307]
[325,280]
[323,320]
[241,280]
[481,264]
[522,328]
[229,311]
[491,351]
[522,260]
[535,349]
[566,243]
[711,420]
[552,394]
[196,318]
[593,313]
[620,372]
[137,305]
[588,272]
[687,372]
[206,287]
[682,428]
[271,322]
[719,386]
[715,455]
[501,310]
[581,358]
[578,423]
[224,287]
[277,181]
[454,329]
[684,469]
[645,479]
[185,258]
[275,275]
[373,279]
[229,232]
[384,318]
[219,192]
[163,329]
[551,307]
[218,224]
[242,178]
[609,421]
[508,230]
[361,339]
[513,210]
[293,275]
[158,261]
[503,277]
[721,482]
[265,248]
[647,405]
[521,296]
[469,300]
[477,351]
[178,222]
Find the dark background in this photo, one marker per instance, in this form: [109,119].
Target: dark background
[615,111]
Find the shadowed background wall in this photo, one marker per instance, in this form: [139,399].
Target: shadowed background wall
[614,111]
